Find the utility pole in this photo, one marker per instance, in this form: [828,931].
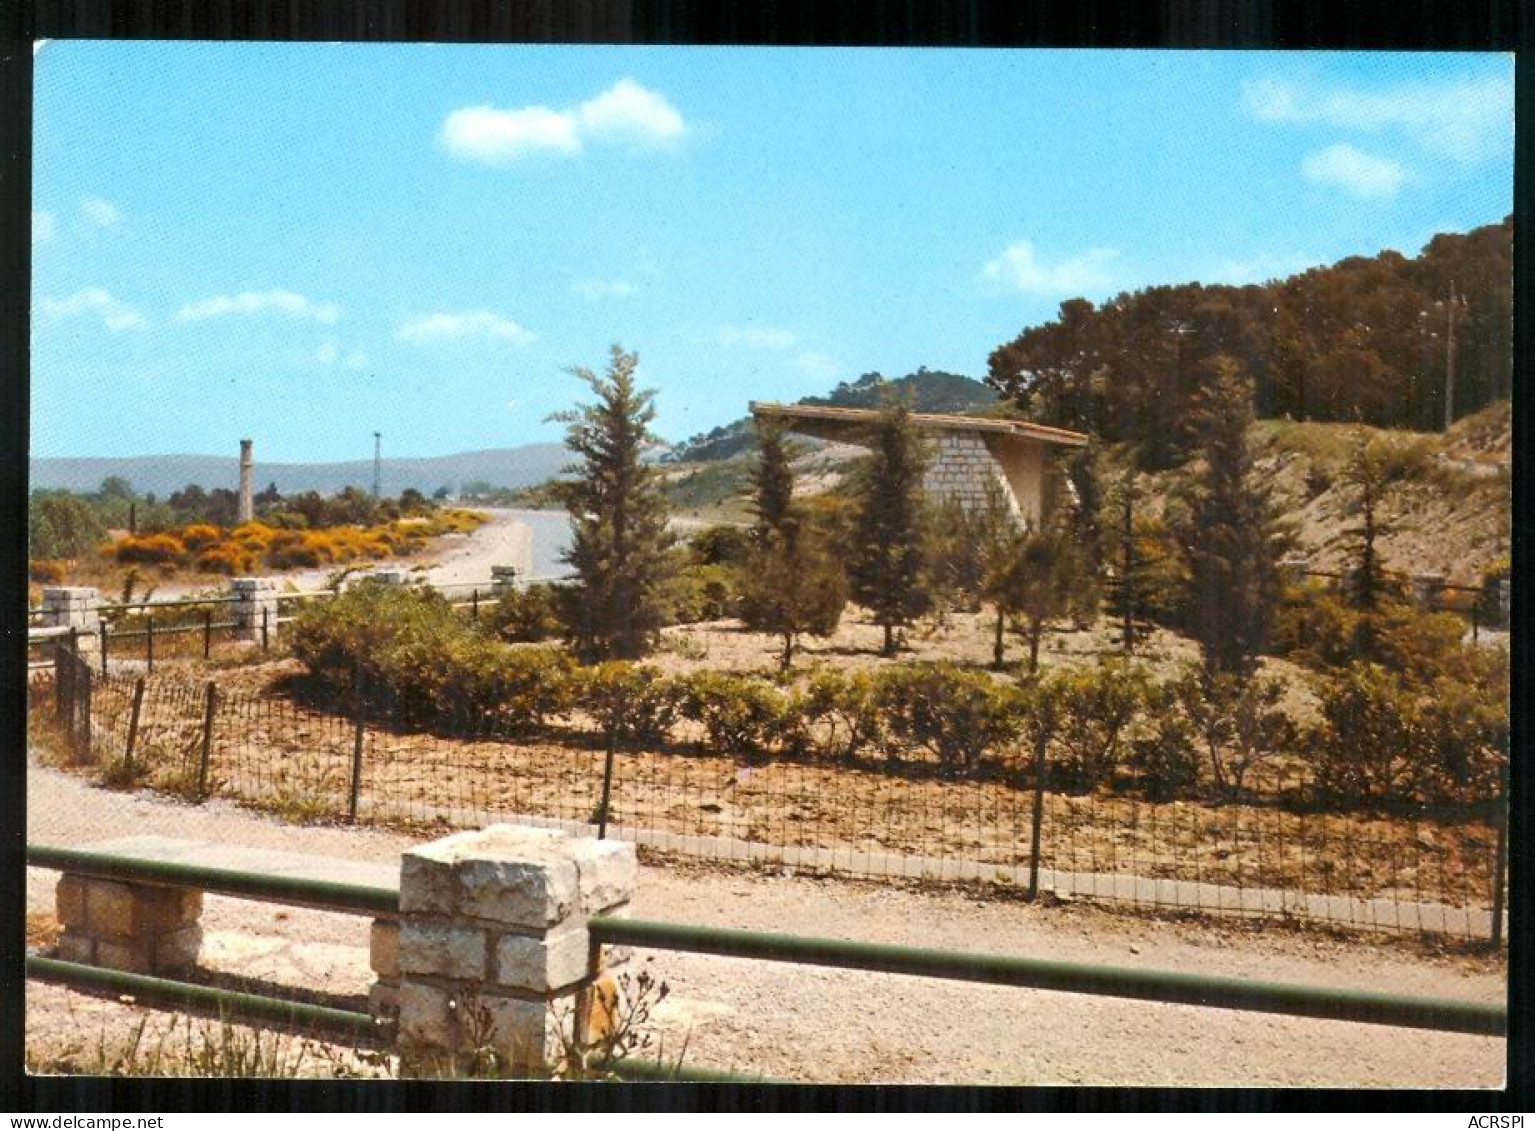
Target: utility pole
[378,479]
[1449,364]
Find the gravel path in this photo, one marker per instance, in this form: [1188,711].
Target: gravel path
[845,1026]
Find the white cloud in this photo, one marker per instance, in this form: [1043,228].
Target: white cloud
[328,352]
[442,327]
[627,112]
[253,302]
[355,360]
[595,289]
[755,337]
[813,363]
[1021,268]
[115,314]
[102,213]
[44,227]
[1465,120]
[1354,171]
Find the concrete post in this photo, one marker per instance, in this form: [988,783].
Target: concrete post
[492,953]
[251,596]
[247,507]
[72,606]
[141,928]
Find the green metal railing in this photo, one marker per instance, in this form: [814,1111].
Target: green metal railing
[212,999]
[329,895]
[1069,977]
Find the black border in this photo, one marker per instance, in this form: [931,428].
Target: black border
[1502,25]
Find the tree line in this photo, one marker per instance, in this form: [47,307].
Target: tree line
[1363,340]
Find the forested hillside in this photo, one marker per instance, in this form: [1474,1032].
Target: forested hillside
[1363,340]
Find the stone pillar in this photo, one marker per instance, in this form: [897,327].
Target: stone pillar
[1426,589]
[386,575]
[72,606]
[253,596]
[1505,597]
[247,508]
[492,952]
[141,928]
[503,579]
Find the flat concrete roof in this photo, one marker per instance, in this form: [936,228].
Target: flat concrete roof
[830,414]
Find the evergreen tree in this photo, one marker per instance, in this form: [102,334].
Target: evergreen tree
[1043,580]
[888,554]
[1366,473]
[618,516]
[791,585]
[1229,538]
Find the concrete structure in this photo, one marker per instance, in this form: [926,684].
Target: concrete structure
[72,606]
[247,510]
[254,605]
[492,951]
[972,458]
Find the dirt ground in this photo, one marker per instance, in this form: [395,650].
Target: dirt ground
[806,1023]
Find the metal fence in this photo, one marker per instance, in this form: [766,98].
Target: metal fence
[1278,852]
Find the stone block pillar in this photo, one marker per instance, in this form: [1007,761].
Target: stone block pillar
[1505,600]
[141,928]
[386,575]
[503,579]
[72,606]
[253,597]
[492,952]
[1427,589]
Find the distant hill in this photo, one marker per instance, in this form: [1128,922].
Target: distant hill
[502,467]
[927,390]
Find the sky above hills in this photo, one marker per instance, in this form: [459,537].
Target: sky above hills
[306,243]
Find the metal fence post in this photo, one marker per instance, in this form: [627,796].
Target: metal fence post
[81,728]
[61,677]
[207,750]
[133,725]
[207,633]
[1500,865]
[1039,812]
[263,628]
[357,740]
[607,780]
[474,598]
[149,642]
[102,629]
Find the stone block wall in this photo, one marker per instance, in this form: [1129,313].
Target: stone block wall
[492,951]
[75,606]
[962,468]
[141,928]
[253,596]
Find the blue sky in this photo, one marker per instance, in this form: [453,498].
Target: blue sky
[305,243]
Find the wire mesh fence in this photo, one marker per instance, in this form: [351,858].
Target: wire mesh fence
[1276,852]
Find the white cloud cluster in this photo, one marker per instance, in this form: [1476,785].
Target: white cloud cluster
[626,113]
[329,353]
[115,314]
[101,213]
[1465,120]
[814,363]
[445,327]
[1021,268]
[44,227]
[755,337]
[1354,171]
[595,289]
[260,302]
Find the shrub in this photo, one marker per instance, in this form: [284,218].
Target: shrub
[739,714]
[1165,758]
[150,549]
[1096,706]
[513,689]
[958,716]
[527,616]
[226,557]
[637,701]
[45,572]
[1238,719]
[255,535]
[841,714]
[297,549]
[199,535]
[697,593]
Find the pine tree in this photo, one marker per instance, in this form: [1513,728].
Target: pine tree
[791,585]
[1229,538]
[1366,473]
[1044,579]
[618,516]
[888,556]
